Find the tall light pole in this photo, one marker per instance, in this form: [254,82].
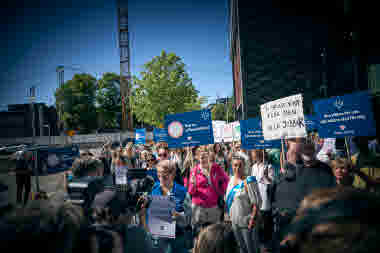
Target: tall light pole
[32,97]
[61,80]
[48,126]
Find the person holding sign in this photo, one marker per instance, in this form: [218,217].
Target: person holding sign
[297,182]
[166,171]
[243,202]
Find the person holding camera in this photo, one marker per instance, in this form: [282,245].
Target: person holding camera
[166,171]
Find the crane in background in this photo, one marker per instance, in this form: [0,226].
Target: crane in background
[125,69]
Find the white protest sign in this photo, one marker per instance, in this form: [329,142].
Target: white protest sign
[228,133]
[218,126]
[121,175]
[283,118]
[236,131]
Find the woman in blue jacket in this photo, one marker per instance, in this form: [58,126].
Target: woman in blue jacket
[166,171]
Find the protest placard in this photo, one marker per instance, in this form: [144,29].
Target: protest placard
[189,129]
[252,136]
[348,115]
[121,175]
[236,131]
[159,214]
[311,122]
[218,126]
[160,135]
[283,118]
[228,133]
[140,136]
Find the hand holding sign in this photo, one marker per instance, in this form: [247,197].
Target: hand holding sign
[283,118]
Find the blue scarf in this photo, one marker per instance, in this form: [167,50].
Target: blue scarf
[231,194]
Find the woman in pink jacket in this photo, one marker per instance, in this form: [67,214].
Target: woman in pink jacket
[208,182]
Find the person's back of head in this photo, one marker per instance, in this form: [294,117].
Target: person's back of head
[339,220]
[216,238]
[42,227]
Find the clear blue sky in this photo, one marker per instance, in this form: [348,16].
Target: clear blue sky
[40,35]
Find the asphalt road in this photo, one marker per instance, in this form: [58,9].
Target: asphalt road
[52,183]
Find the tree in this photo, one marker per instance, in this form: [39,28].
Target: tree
[164,88]
[108,100]
[76,101]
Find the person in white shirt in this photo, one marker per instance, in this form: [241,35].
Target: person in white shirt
[264,173]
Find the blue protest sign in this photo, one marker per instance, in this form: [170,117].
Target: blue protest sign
[140,136]
[160,135]
[56,160]
[348,115]
[311,122]
[252,135]
[189,129]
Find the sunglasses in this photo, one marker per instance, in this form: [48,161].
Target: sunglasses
[151,160]
[163,155]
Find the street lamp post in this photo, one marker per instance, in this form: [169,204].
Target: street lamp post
[48,126]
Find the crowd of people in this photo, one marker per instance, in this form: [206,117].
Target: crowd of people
[227,199]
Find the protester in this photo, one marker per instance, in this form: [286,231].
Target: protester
[42,227]
[342,169]
[337,220]
[263,171]
[24,167]
[299,181]
[243,202]
[191,160]
[216,238]
[366,167]
[143,159]
[163,154]
[207,186]
[151,168]
[129,156]
[176,156]
[182,214]
[106,158]
[274,158]
[221,158]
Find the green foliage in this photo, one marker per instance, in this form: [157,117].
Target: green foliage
[163,88]
[108,100]
[224,112]
[76,101]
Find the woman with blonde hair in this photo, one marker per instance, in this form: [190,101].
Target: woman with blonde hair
[166,172]
[243,203]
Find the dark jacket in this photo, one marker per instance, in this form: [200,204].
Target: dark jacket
[299,182]
[23,167]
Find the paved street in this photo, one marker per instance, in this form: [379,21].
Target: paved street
[51,183]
